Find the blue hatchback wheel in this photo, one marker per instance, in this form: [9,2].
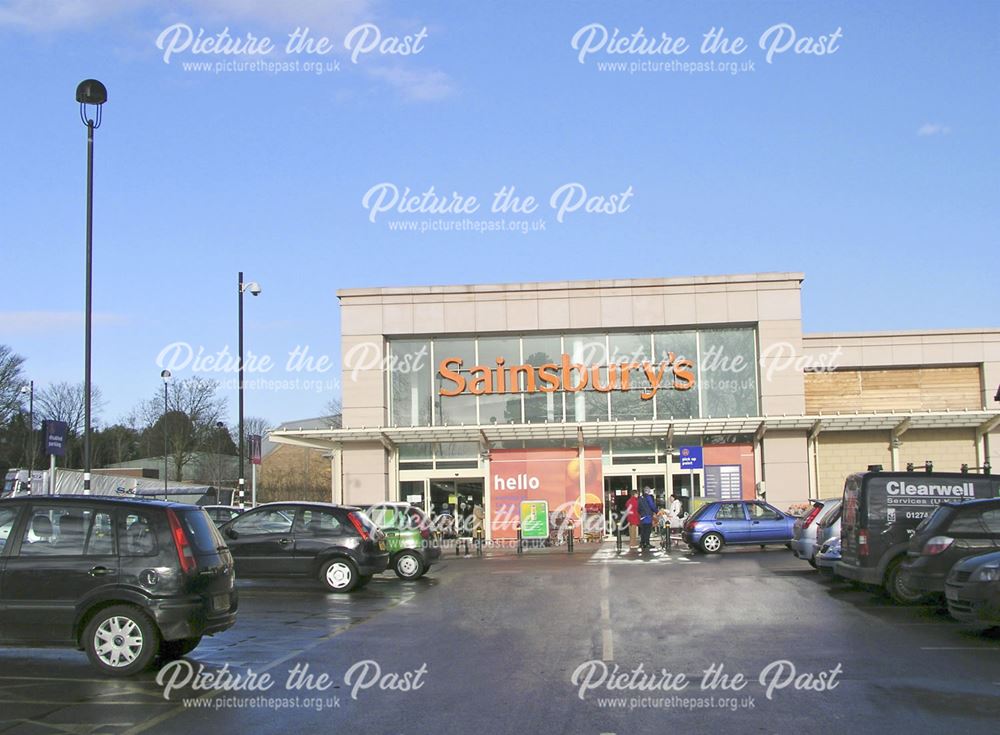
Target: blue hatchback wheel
[711,543]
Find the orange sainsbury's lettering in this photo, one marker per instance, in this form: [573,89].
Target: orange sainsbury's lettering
[448,374]
[565,375]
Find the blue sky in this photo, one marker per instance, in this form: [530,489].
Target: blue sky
[873,169]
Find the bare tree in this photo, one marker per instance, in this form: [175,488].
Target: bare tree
[11,381]
[333,410]
[193,412]
[66,402]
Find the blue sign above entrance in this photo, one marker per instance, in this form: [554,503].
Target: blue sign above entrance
[691,458]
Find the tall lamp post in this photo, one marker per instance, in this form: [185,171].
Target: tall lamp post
[165,375]
[89,92]
[30,390]
[254,288]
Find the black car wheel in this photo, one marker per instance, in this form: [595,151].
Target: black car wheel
[173,650]
[897,589]
[339,575]
[408,566]
[711,543]
[121,640]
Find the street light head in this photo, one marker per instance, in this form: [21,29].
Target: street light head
[254,288]
[91,92]
[165,375]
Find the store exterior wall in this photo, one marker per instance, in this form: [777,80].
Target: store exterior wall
[941,370]
[768,303]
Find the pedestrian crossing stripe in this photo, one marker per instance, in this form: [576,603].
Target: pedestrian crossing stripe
[611,556]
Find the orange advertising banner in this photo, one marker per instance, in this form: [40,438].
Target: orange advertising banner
[552,475]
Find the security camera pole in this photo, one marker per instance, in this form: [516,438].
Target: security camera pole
[255,291]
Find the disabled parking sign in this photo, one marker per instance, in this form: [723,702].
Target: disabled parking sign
[534,519]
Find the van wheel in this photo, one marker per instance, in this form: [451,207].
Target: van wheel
[408,566]
[339,575]
[121,640]
[173,650]
[898,591]
[711,543]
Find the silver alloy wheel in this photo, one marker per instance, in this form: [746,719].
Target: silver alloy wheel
[118,641]
[408,565]
[712,543]
[338,575]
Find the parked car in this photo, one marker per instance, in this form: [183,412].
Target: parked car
[723,522]
[880,512]
[124,580]
[805,540]
[336,544]
[950,534]
[412,548]
[828,555]
[972,590]
[222,514]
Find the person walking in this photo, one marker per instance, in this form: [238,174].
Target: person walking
[632,517]
[676,517]
[647,511]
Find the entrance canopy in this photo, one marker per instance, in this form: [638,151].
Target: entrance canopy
[582,432]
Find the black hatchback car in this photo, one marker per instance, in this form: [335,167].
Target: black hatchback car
[125,580]
[336,544]
[953,532]
[973,590]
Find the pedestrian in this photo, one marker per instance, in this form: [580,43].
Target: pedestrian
[676,517]
[647,510]
[632,517]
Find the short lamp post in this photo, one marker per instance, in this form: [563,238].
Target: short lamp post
[92,93]
[30,390]
[165,376]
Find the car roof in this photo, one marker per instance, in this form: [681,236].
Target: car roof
[974,503]
[102,499]
[305,504]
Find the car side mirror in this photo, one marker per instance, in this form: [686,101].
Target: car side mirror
[231,533]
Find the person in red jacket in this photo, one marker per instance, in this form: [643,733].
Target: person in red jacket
[632,516]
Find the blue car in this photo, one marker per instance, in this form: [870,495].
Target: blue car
[723,522]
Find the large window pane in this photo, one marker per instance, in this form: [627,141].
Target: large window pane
[460,409]
[500,408]
[540,406]
[670,402]
[728,372]
[410,378]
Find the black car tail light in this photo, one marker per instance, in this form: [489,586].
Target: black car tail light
[863,543]
[937,545]
[358,525]
[184,551]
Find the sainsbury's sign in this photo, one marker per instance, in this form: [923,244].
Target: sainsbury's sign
[568,376]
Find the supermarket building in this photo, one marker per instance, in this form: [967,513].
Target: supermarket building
[578,392]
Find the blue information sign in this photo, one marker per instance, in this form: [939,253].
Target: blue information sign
[691,458]
[55,437]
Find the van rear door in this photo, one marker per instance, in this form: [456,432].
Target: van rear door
[852,521]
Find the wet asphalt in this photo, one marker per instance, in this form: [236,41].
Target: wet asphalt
[529,644]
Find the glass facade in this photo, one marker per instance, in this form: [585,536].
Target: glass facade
[594,376]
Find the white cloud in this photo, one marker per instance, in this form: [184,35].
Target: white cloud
[416,84]
[30,321]
[932,129]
